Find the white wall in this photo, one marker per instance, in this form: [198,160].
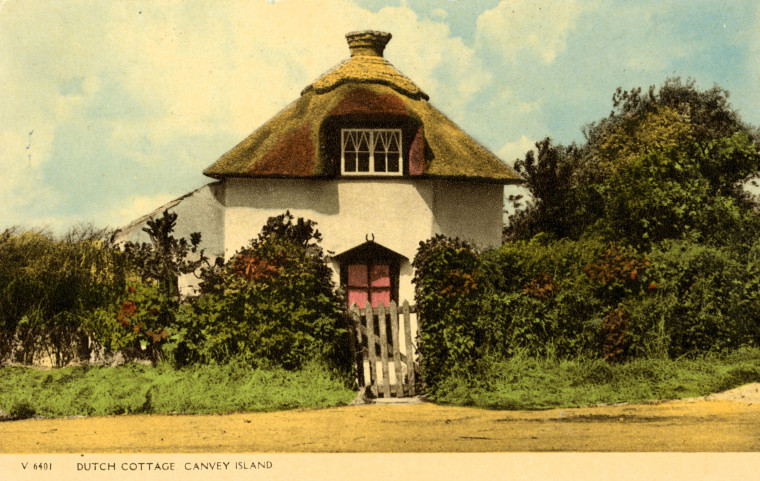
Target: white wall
[199,211]
[469,211]
[399,213]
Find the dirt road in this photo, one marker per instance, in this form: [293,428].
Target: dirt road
[684,426]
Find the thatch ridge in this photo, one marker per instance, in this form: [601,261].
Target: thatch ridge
[366,69]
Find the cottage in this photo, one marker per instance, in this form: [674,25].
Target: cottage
[364,154]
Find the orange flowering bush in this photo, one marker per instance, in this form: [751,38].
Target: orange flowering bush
[542,287]
[145,314]
[614,265]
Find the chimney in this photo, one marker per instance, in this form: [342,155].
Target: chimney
[368,43]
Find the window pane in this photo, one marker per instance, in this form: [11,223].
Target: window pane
[363,162]
[381,296]
[394,142]
[363,141]
[350,162]
[358,297]
[380,276]
[379,162]
[357,275]
[371,151]
[393,162]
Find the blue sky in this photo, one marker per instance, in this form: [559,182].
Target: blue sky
[111,109]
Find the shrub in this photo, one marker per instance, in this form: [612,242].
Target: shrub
[47,286]
[705,299]
[614,327]
[273,301]
[446,294]
[537,299]
[165,258]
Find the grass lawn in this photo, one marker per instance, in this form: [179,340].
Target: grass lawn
[528,383]
[136,388]
[516,383]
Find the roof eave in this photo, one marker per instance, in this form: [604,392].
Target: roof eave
[452,178]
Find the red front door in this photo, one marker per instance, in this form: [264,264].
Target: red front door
[369,282]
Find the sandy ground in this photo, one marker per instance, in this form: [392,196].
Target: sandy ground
[727,421]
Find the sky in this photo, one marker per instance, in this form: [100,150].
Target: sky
[111,109]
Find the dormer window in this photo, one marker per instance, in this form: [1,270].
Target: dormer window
[371,152]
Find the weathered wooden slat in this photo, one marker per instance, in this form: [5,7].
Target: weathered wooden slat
[371,348]
[409,348]
[353,323]
[354,313]
[384,351]
[396,351]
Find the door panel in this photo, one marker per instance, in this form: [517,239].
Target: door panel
[369,282]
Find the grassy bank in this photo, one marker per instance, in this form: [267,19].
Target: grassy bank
[134,388]
[530,383]
[516,383]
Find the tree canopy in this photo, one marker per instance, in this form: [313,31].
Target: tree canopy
[665,164]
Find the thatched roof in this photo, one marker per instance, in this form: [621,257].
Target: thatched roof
[299,142]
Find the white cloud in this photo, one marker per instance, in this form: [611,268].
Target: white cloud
[511,151]
[121,93]
[22,184]
[131,101]
[133,208]
[540,26]
[443,66]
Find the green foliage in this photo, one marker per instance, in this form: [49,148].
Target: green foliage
[302,232]
[614,328]
[47,285]
[708,111]
[137,323]
[529,382]
[587,297]
[665,195]
[135,388]
[446,287]
[562,204]
[272,301]
[537,300]
[165,258]
[706,299]
[664,165]
[635,135]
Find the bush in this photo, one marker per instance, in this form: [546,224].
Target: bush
[537,299]
[564,299]
[614,327]
[47,286]
[138,323]
[273,301]
[446,294]
[666,195]
[704,299]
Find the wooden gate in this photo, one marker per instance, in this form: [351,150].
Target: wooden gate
[384,348]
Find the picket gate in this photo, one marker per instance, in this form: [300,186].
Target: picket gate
[384,346]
